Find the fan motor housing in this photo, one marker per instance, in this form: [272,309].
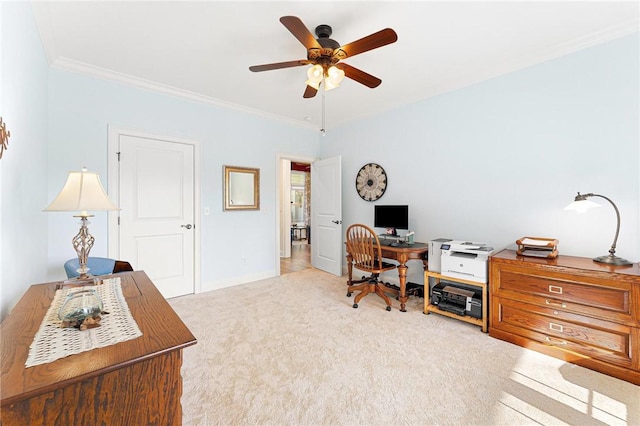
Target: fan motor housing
[323,32]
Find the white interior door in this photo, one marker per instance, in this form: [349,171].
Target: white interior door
[157,221]
[326,211]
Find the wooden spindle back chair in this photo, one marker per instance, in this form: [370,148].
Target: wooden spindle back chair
[365,253]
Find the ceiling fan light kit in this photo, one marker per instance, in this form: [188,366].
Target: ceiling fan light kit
[333,78]
[315,74]
[325,54]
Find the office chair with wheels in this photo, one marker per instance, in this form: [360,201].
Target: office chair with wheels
[364,253]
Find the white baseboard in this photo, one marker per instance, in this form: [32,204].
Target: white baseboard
[230,282]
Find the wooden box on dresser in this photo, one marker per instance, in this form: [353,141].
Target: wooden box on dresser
[572,308]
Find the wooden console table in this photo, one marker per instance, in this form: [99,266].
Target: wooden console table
[130,383]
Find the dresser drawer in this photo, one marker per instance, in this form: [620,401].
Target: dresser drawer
[595,338]
[595,297]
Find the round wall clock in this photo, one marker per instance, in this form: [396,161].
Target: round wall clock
[371,182]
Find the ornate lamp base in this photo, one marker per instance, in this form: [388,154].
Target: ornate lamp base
[82,243]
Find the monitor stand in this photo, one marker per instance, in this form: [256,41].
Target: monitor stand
[391,235]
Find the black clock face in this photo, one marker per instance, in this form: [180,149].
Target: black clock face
[371,182]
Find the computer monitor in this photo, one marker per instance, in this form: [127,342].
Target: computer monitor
[391,217]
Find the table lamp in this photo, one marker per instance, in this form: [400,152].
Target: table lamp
[581,204]
[82,192]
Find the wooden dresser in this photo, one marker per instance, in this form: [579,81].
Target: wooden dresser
[136,382]
[571,308]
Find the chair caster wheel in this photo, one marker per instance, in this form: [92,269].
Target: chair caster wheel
[389,308]
[355,306]
[348,294]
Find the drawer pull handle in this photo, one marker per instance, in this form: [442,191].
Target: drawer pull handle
[555,289]
[556,327]
[562,305]
[555,341]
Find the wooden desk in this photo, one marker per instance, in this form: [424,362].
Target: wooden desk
[130,383]
[402,254]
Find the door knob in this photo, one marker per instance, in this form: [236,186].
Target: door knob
[337,222]
[188,226]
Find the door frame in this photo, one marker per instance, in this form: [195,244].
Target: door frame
[113,189]
[279,186]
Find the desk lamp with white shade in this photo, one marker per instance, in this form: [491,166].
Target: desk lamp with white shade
[581,204]
[81,193]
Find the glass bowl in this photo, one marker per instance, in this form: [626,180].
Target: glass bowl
[79,305]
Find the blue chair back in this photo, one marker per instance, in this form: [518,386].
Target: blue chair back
[96,265]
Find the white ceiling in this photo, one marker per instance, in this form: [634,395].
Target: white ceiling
[202,50]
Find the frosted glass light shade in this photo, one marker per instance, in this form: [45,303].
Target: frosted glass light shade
[334,78]
[314,75]
[82,192]
[582,206]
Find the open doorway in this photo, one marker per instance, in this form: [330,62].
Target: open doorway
[295,255]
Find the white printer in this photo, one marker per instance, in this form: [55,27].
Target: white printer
[435,253]
[465,259]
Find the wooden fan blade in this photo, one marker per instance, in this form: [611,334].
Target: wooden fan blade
[359,75]
[309,92]
[300,31]
[370,42]
[278,65]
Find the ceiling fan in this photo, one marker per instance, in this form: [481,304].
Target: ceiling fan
[325,55]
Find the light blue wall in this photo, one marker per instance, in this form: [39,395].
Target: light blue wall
[23,107]
[501,159]
[82,108]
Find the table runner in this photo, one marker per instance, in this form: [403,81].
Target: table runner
[52,342]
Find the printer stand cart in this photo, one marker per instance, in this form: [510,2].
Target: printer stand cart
[428,307]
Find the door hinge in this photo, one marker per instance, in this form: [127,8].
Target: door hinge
[118,220]
[118,155]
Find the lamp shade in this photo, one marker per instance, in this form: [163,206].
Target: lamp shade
[582,206]
[82,192]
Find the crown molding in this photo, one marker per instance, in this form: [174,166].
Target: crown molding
[456,81]
[632,25]
[78,67]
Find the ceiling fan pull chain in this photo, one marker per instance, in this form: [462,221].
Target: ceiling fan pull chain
[323,131]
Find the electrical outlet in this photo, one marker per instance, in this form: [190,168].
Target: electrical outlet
[207,211]
[243,260]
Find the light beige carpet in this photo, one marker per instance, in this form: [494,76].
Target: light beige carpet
[292,351]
